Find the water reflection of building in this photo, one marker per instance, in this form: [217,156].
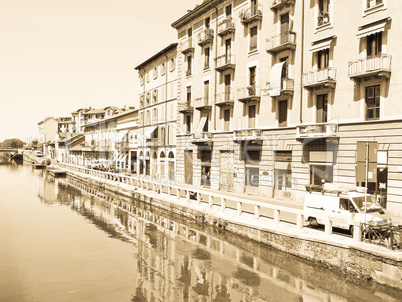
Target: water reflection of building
[48,188]
[177,261]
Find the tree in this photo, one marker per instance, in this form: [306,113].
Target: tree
[13,143]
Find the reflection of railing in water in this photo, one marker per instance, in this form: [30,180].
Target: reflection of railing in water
[130,217]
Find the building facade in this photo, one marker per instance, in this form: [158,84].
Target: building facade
[277,95]
[157,115]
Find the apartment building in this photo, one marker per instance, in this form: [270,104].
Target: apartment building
[276,95]
[157,114]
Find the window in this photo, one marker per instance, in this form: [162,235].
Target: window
[188,96]
[374,45]
[206,57]
[155,96]
[323,59]
[188,124]
[283,113]
[206,125]
[163,68]
[155,73]
[189,60]
[206,92]
[228,11]
[148,117]
[141,101]
[322,105]
[228,50]
[373,102]
[284,69]
[252,80]
[226,119]
[172,64]
[190,32]
[251,116]
[227,87]
[323,12]
[207,22]
[253,38]
[284,180]
[147,77]
[155,116]
[320,174]
[285,28]
[372,3]
[148,97]
[142,80]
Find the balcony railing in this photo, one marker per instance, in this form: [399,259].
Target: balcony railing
[323,19]
[247,135]
[202,103]
[154,141]
[249,93]
[205,36]
[251,14]
[379,66]
[185,107]
[225,27]
[187,45]
[225,62]
[277,4]
[319,130]
[281,42]
[322,77]
[201,137]
[287,87]
[224,98]
[122,145]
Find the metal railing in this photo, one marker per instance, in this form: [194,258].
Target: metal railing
[185,106]
[224,97]
[248,92]
[247,134]
[205,36]
[322,75]
[226,25]
[364,66]
[274,4]
[225,60]
[251,13]
[201,137]
[201,102]
[280,40]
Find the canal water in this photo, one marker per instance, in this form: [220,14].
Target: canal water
[62,241]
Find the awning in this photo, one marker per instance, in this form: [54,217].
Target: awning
[149,132]
[275,80]
[202,122]
[121,135]
[321,44]
[372,28]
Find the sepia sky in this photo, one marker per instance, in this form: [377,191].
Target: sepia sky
[60,55]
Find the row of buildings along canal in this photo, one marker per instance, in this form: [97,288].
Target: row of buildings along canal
[259,98]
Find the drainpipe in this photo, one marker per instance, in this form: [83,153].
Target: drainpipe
[166,88]
[143,121]
[216,55]
[301,64]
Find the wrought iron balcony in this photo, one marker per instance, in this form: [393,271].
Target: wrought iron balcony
[226,26]
[319,130]
[372,66]
[205,36]
[278,4]
[185,107]
[225,62]
[187,45]
[323,77]
[251,14]
[249,93]
[287,87]
[281,42]
[224,99]
[202,103]
[200,138]
[254,135]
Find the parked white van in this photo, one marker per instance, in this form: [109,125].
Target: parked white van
[346,204]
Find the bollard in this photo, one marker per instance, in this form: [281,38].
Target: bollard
[256,211]
[276,216]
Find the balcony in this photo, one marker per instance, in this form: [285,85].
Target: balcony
[323,77]
[319,130]
[278,4]
[202,103]
[153,142]
[251,14]
[187,45]
[185,107]
[281,42]
[226,27]
[249,93]
[287,87]
[254,135]
[224,99]
[201,138]
[374,66]
[323,19]
[205,36]
[122,145]
[225,62]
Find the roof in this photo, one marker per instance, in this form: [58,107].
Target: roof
[46,119]
[111,117]
[198,10]
[95,111]
[78,110]
[155,56]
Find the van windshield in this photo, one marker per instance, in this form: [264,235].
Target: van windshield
[372,204]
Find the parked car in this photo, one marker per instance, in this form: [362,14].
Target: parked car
[350,205]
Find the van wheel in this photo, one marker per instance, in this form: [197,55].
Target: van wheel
[351,229]
[313,222]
